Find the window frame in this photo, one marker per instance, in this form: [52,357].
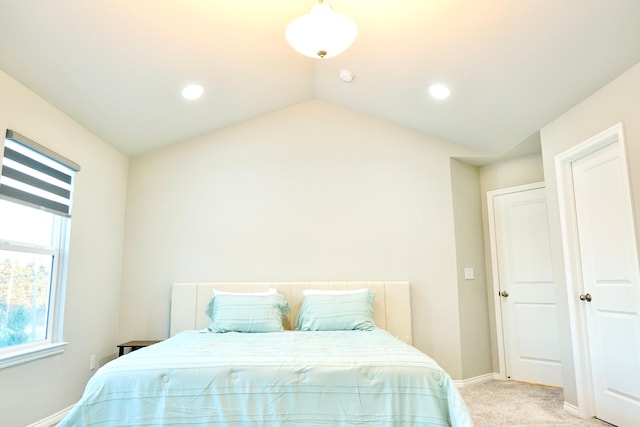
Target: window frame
[58,249]
[53,343]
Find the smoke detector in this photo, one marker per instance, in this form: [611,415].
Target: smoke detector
[346,76]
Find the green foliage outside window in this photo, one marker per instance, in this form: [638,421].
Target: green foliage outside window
[24,298]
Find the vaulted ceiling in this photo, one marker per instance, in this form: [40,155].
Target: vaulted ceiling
[118,66]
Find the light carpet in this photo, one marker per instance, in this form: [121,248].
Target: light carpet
[515,404]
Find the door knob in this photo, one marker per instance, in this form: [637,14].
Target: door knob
[585,297]
[504,294]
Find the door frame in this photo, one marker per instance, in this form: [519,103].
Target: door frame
[572,263]
[495,276]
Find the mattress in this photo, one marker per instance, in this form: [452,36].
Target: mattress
[328,378]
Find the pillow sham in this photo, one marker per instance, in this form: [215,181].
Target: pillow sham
[336,312]
[247,313]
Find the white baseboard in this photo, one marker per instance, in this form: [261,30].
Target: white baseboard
[571,409]
[476,380]
[52,420]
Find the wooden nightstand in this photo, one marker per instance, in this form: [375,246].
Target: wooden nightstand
[135,345]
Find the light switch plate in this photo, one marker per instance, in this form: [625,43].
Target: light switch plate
[468,273]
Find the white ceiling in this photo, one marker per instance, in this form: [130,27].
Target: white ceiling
[117,66]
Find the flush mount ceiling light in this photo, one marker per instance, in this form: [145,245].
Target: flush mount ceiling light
[192,92]
[439,91]
[321,33]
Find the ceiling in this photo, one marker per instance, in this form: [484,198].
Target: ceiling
[118,66]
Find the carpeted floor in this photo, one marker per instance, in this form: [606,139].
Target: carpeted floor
[515,404]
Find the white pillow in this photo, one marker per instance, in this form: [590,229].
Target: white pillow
[270,291]
[333,291]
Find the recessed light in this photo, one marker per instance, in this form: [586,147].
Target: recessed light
[439,91]
[192,92]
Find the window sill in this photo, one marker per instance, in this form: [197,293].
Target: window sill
[29,353]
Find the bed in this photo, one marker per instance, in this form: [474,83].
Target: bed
[340,355]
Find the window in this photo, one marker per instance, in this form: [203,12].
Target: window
[36,187]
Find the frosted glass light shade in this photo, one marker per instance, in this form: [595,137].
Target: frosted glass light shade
[321,33]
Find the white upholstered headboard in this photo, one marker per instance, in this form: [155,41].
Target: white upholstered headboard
[391,307]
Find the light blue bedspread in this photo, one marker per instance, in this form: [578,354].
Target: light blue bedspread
[342,378]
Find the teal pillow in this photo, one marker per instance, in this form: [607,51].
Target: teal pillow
[336,312]
[247,313]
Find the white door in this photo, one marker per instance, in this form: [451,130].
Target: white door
[610,293]
[525,294]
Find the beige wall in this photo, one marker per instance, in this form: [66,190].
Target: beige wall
[37,389]
[511,173]
[472,294]
[311,192]
[616,102]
